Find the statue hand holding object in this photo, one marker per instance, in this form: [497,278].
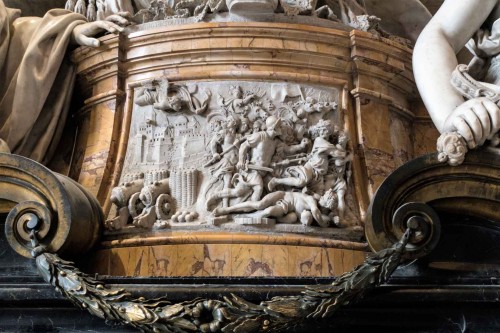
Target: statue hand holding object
[476,120]
[471,123]
[473,120]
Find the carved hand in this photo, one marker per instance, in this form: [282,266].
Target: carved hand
[241,166]
[83,34]
[476,120]
[336,220]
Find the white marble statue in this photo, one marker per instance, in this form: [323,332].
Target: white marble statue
[456,22]
[36,78]
[405,18]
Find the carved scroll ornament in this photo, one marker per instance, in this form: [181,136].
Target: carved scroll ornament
[67,217]
[424,186]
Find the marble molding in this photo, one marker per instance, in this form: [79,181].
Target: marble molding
[232,260]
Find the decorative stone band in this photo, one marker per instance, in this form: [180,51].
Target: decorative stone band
[425,185]
[67,219]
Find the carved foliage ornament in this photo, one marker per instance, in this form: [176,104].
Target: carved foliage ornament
[241,153]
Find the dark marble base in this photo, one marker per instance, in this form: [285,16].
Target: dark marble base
[35,307]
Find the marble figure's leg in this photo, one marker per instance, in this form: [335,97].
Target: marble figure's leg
[288,218]
[289,181]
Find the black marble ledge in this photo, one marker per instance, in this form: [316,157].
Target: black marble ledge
[389,308]
[256,289]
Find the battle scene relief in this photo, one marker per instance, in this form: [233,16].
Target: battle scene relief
[235,155]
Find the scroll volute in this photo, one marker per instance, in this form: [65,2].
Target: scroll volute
[67,219]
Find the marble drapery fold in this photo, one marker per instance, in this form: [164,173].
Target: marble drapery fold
[36,80]
[485,47]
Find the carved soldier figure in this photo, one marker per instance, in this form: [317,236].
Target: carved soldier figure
[249,181]
[244,127]
[477,119]
[288,207]
[225,141]
[257,126]
[317,161]
[340,171]
[255,155]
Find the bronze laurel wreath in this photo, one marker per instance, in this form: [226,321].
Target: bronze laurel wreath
[233,314]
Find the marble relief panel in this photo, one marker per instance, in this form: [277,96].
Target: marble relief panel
[235,155]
